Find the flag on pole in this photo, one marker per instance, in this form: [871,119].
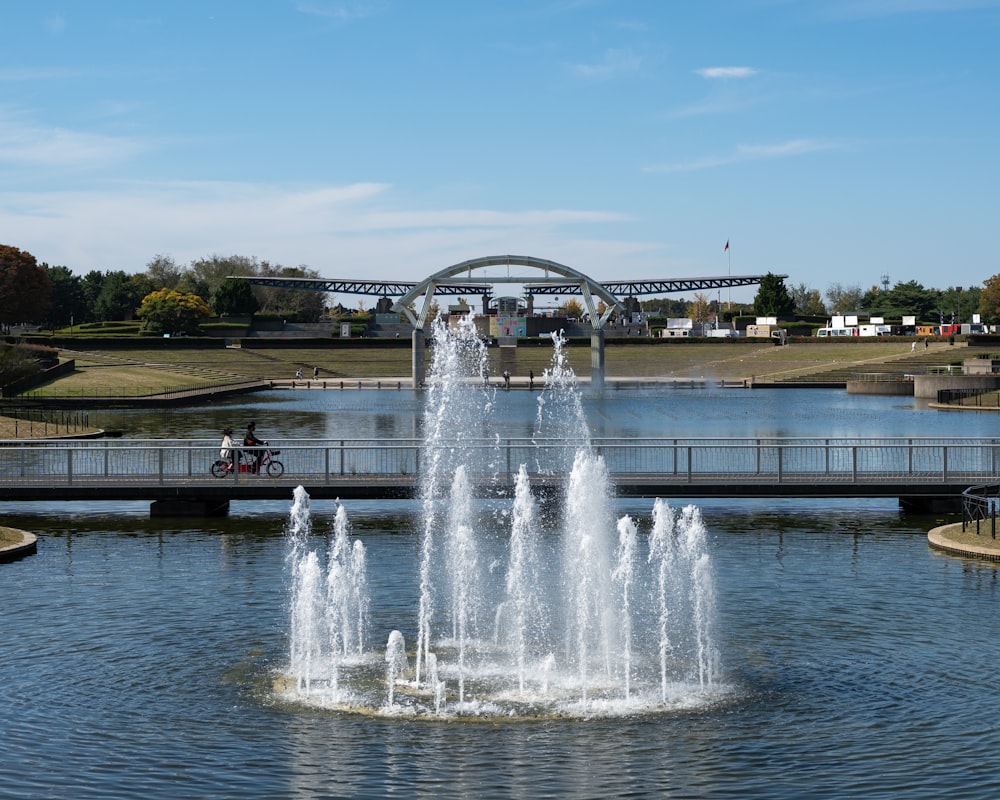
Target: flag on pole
[724,249]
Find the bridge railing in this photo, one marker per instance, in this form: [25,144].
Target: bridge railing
[683,460]
[981,504]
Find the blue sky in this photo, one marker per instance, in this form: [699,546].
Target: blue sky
[834,141]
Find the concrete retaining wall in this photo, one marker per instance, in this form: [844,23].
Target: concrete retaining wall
[928,386]
[900,388]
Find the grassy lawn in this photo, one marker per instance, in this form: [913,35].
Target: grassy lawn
[156,370]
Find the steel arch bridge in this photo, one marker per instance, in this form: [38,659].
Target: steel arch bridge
[555,279]
[549,278]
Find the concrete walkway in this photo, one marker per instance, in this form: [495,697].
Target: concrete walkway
[952,539]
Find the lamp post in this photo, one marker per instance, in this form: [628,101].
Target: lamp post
[959,290]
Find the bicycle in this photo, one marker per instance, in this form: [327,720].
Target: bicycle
[274,468]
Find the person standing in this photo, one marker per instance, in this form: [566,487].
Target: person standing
[315,373]
[255,444]
[531,379]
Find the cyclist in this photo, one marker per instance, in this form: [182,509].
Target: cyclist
[228,452]
[250,440]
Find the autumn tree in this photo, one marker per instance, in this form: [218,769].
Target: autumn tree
[170,311]
[25,287]
[698,308]
[989,300]
[572,309]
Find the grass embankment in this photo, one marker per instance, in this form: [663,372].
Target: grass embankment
[153,371]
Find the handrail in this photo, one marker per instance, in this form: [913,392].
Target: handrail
[752,460]
[981,503]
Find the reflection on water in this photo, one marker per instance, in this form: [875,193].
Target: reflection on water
[139,660]
[139,655]
[659,411]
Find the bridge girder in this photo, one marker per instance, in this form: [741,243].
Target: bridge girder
[449,285]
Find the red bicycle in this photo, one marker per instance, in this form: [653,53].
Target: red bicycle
[268,463]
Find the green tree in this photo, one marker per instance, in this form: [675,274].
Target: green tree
[772,299]
[912,298]
[163,272]
[92,284]
[844,299]
[665,306]
[25,287]
[304,305]
[959,301]
[118,297]
[170,311]
[69,301]
[807,302]
[234,297]
[206,275]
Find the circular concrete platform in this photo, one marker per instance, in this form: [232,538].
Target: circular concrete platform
[952,539]
[21,544]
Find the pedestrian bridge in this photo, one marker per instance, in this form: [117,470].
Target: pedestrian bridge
[175,474]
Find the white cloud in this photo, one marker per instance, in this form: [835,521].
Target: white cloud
[726,72]
[613,62]
[746,152]
[24,143]
[340,10]
[342,231]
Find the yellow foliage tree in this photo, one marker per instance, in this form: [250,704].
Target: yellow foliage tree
[173,312]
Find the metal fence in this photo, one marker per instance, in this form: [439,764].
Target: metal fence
[789,460]
[980,506]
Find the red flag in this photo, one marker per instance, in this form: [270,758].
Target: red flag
[724,249]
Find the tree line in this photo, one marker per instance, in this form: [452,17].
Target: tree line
[169,297]
[166,296]
[773,298]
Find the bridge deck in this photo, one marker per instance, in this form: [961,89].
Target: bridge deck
[361,469]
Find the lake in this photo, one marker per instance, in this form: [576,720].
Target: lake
[140,654]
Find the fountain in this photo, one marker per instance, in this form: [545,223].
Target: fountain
[570,620]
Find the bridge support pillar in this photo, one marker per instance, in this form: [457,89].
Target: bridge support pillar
[419,369]
[932,504]
[189,507]
[597,359]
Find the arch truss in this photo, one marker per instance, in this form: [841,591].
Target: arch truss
[549,273]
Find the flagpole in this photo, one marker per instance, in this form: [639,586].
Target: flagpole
[729,253]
